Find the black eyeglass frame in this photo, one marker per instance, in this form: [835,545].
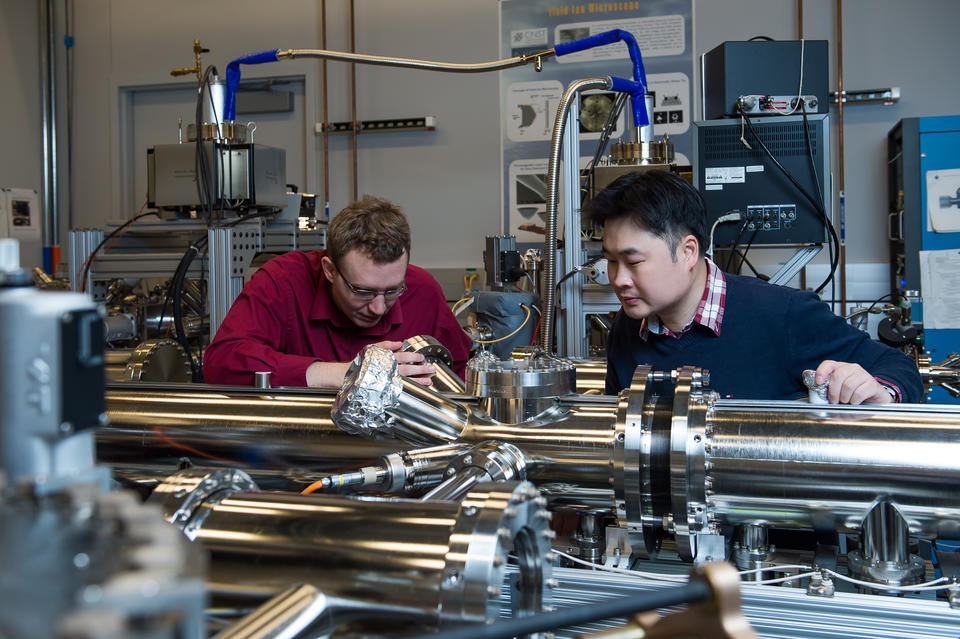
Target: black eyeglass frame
[369,294]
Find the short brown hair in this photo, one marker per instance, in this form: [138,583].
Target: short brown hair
[374,226]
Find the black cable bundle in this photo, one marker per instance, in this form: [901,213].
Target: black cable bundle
[833,243]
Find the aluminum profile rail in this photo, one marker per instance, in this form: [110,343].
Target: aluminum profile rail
[773,611]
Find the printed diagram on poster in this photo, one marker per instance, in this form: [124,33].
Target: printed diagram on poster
[656,36]
[943,201]
[531,108]
[19,214]
[671,104]
[528,198]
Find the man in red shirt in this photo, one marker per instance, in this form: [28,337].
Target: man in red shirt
[305,315]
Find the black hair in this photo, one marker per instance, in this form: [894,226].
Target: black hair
[657,201]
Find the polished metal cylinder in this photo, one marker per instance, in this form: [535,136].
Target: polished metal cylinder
[283,435]
[886,535]
[571,444]
[458,485]
[444,560]
[427,416]
[519,390]
[591,376]
[444,380]
[823,467]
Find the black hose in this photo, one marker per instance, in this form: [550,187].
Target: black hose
[178,279]
[695,592]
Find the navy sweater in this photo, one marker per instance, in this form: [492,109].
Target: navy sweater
[769,334]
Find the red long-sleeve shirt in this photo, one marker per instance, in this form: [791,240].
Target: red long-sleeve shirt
[285,319]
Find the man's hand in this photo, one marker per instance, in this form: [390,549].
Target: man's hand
[851,384]
[412,365]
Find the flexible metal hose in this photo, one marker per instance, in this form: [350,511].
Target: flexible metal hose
[548,292]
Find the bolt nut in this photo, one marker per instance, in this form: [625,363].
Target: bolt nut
[551,583]
[493,591]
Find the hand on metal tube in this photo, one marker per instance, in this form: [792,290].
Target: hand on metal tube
[850,384]
[411,365]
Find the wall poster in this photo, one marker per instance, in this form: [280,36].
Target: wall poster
[529,100]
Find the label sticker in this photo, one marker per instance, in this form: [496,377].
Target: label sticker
[724,175]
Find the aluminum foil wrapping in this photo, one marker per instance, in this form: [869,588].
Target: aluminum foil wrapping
[818,392]
[371,386]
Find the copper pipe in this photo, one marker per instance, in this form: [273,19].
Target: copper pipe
[325,119]
[353,97]
[840,183]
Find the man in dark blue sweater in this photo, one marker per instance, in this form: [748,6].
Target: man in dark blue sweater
[756,339]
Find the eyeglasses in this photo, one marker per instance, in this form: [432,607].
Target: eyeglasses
[369,294]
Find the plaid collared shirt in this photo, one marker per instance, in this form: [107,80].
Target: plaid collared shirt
[709,311]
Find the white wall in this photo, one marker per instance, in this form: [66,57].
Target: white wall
[448,180]
[21,151]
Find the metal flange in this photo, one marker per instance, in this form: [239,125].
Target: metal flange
[497,520]
[182,494]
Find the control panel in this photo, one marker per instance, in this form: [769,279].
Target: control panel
[770,217]
[785,104]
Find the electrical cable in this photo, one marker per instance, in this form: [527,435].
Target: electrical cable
[941,583]
[579,269]
[315,486]
[608,126]
[818,206]
[510,334]
[533,285]
[780,580]
[693,592]
[799,88]
[733,216]
[623,571]
[743,255]
[936,584]
[733,247]
[179,277]
[753,269]
[116,233]
[877,301]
